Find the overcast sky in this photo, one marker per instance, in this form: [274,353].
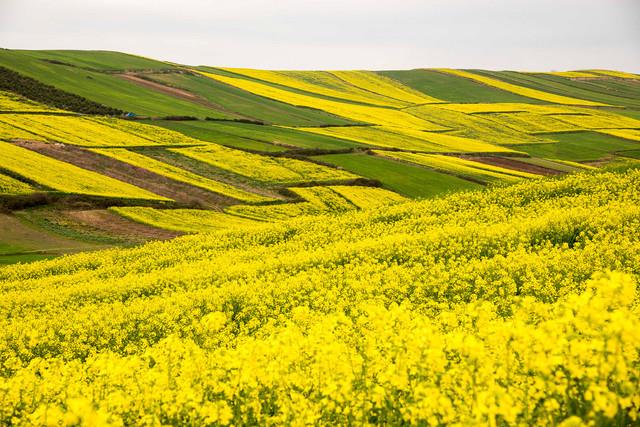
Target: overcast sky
[525,35]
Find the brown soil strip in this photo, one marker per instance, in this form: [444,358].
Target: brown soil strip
[510,163]
[182,193]
[116,225]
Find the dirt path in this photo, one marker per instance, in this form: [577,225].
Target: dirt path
[116,225]
[510,163]
[180,192]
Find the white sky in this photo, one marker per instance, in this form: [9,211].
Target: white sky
[525,35]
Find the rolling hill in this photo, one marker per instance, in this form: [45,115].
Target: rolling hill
[256,247]
[130,148]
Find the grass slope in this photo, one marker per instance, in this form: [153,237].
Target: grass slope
[605,91]
[452,88]
[409,180]
[103,88]
[103,60]
[256,137]
[247,105]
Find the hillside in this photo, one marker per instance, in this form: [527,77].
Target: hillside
[316,320]
[101,149]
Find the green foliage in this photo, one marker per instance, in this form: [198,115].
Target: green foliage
[49,95]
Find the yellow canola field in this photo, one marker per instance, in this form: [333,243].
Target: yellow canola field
[632,134]
[10,102]
[571,74]
[472,126]
[178,174]
[66,177]
[463,167]
[367,197]
[185,220]
[158,135]
[9,132]
[521,90]
[600,120]
[88,131]
[377,83]
[618,74]
[272,170]
[407,139]
[359,113]
[532,123]
[494,307]
[12,186]
[318,200]
[320,83]
[511,107]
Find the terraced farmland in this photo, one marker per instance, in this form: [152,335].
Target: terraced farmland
[206,148]
[347,247]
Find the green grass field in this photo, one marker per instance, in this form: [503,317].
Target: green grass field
[247,105]
[451,88]
[98,59]
[256,137]
[409,180]
[612,92]
[579,146]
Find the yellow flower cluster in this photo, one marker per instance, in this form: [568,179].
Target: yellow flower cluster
[481,308]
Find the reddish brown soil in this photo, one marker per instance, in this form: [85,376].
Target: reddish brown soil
[510,163]
[182,193]
[118,226]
